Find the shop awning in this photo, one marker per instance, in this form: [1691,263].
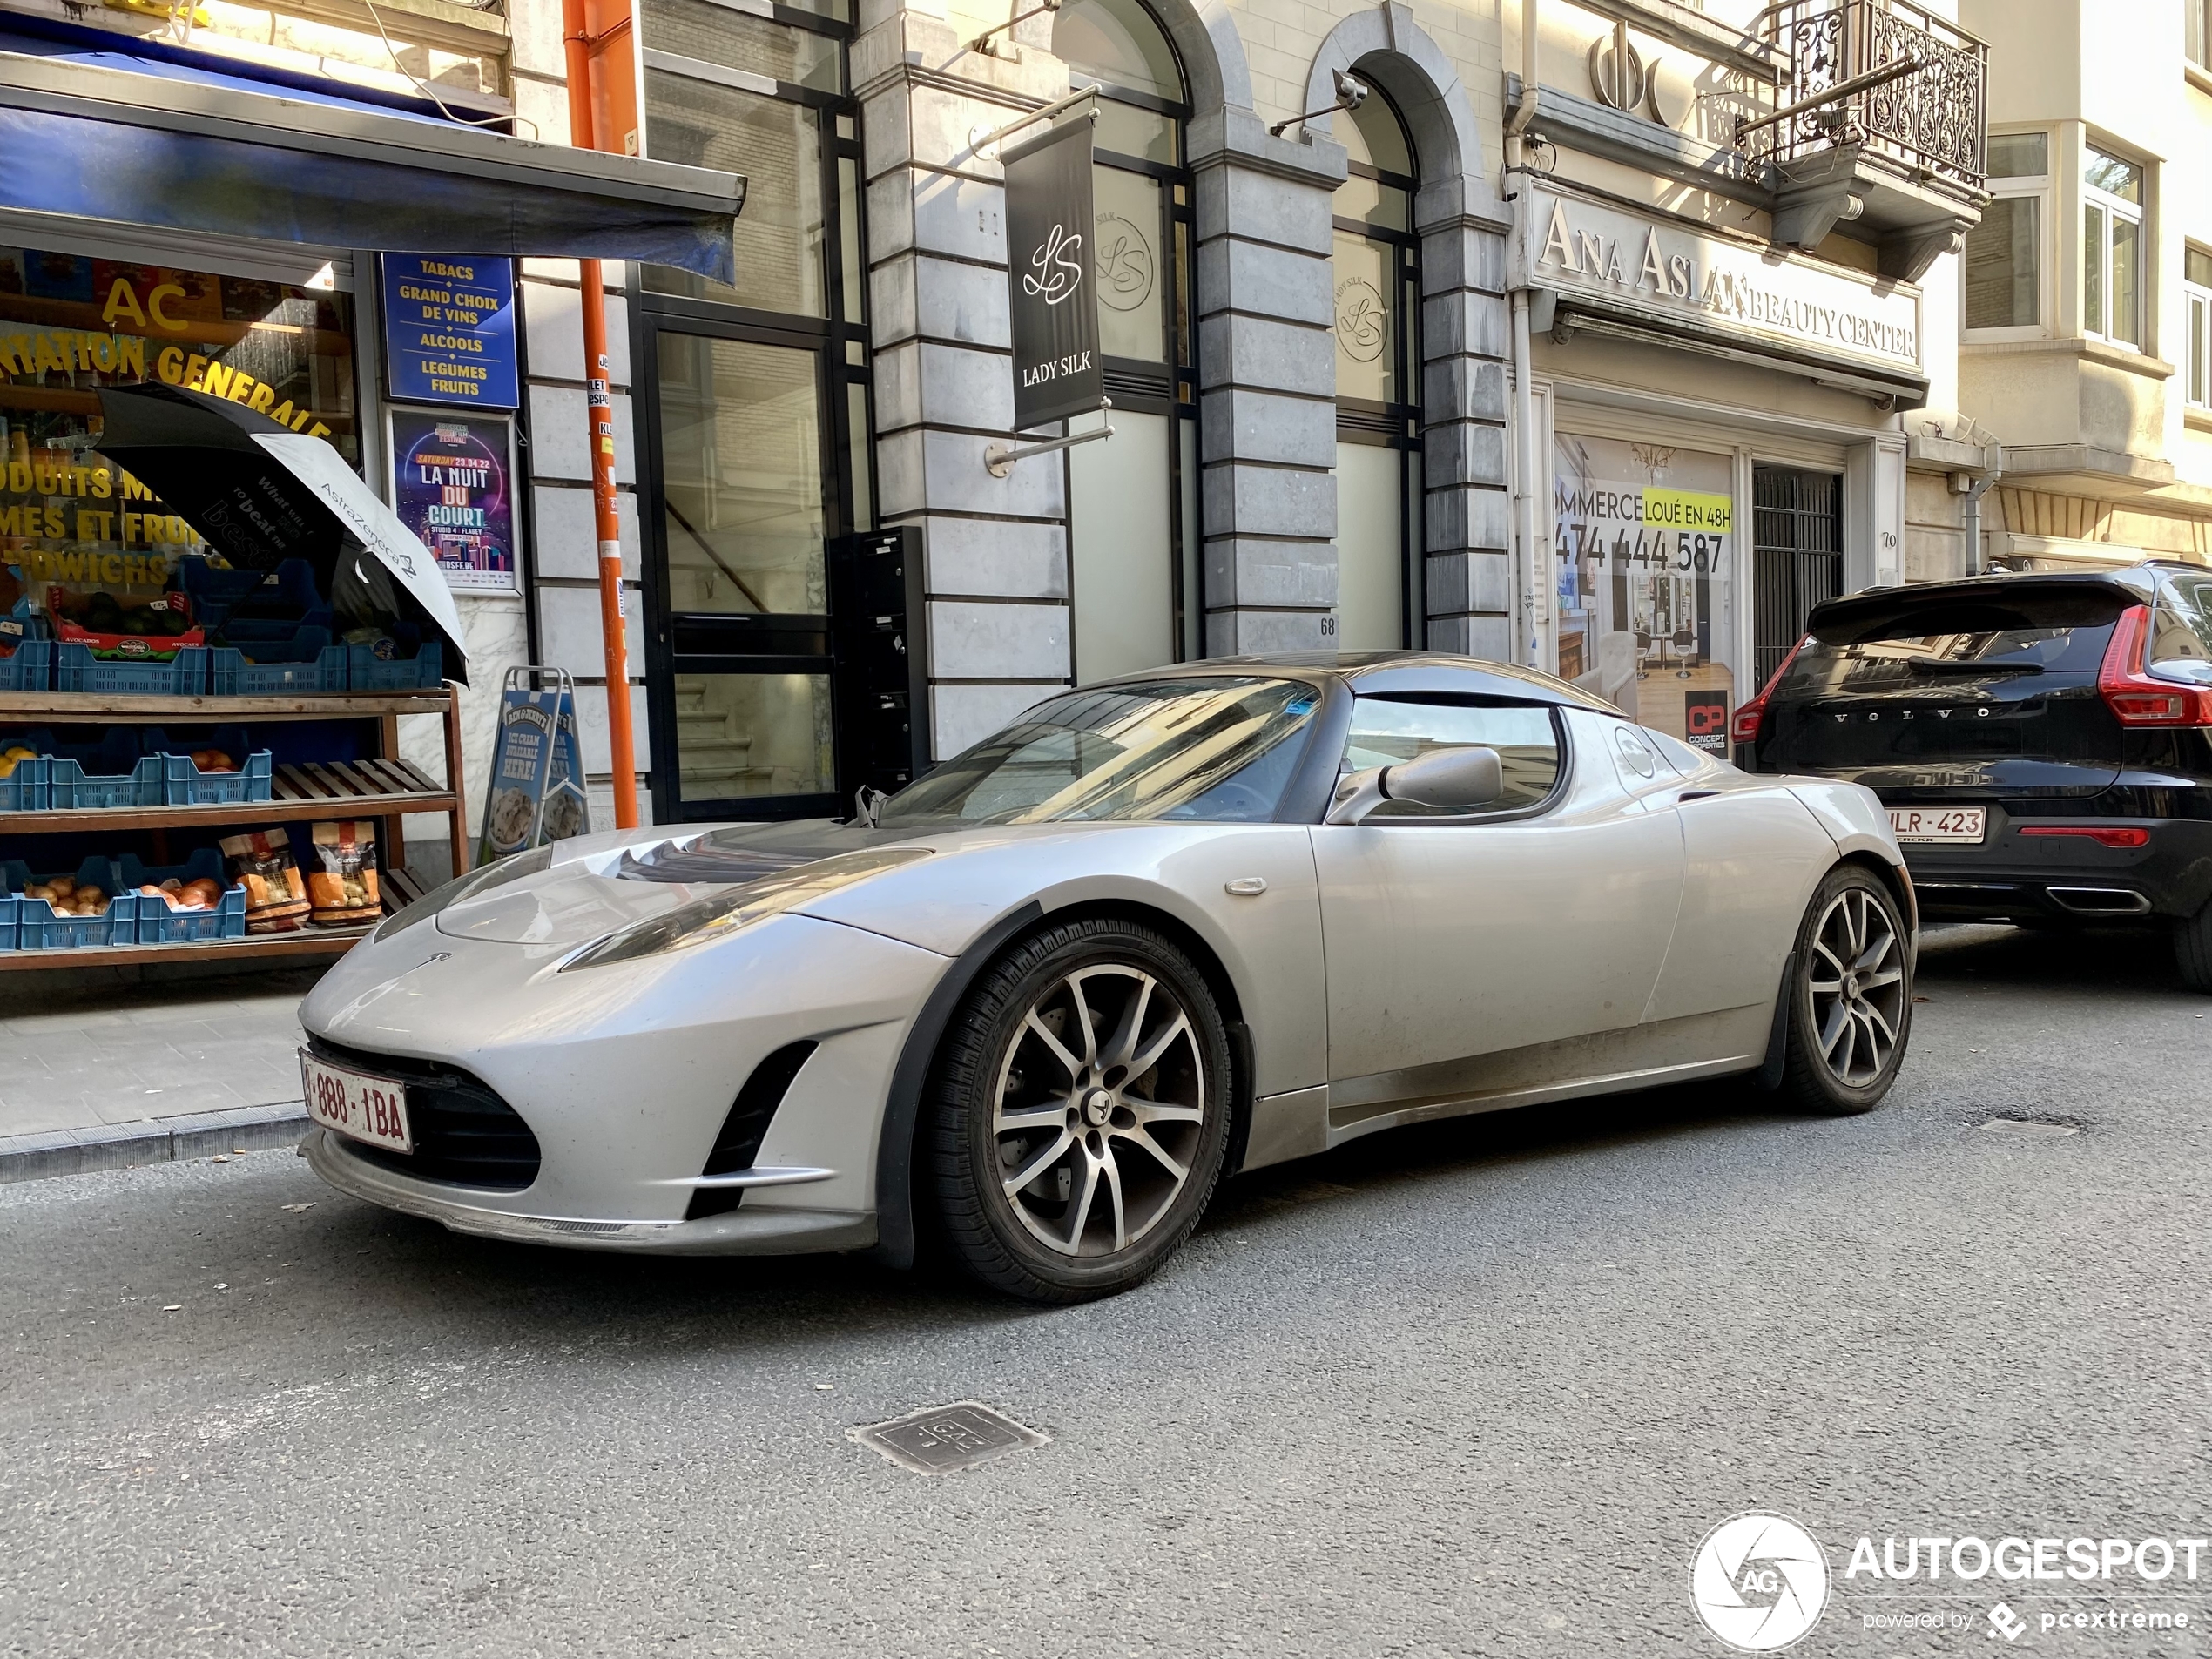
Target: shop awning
[96,141]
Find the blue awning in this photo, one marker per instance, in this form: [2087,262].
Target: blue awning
[182,149]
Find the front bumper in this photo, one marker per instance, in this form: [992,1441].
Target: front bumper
[2011,877]
[741,1233]
[624,1075]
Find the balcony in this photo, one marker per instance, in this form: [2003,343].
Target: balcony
[1897,157]
[1932,122]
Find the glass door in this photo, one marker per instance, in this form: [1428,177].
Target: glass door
[738,518]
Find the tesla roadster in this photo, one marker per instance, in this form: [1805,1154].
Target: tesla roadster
[1158,929]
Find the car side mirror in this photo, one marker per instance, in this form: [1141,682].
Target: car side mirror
[1451,780]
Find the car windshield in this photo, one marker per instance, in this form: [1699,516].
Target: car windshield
[1212,751]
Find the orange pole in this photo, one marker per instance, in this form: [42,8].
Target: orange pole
[600,414]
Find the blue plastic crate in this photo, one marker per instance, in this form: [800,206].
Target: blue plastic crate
[366,672]
[159,925]
[31,924]
[231,675]
[182,783]
[72,788]
[265,630]
[29,667]
[291,584]
[79,776]
[76,670]
[29,787]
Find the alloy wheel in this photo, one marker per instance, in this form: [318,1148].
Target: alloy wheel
[1856,975]
[1099,1109]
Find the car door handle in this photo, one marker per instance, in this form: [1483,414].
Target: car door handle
[1696,794]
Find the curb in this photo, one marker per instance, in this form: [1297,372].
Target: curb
[119,1146]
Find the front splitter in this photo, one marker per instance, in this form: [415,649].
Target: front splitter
[740,1233]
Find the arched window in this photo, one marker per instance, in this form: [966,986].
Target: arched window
[1133,500]
[1378,326]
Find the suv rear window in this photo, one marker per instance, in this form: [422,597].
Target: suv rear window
[1956,641]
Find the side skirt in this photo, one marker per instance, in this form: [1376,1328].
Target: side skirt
[1307,1121]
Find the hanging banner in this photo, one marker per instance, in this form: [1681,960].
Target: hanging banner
[450,486]
[449,330]
[1054,301]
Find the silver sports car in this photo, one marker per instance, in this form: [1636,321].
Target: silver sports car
[1158,930]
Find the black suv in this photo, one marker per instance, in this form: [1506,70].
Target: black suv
[2043,742]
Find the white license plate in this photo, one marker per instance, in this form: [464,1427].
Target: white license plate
[356,1105]
[1939,823]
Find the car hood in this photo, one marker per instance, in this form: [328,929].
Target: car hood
[608,886]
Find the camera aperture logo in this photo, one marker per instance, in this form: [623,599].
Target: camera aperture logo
[1759,1581]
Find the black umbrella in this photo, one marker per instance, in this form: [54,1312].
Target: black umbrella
[261,494]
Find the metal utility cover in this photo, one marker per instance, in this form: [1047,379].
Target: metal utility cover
[943,1439]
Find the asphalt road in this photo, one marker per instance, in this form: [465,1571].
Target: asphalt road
[1474,1389]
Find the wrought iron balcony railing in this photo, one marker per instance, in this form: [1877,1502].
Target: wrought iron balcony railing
[1932,120]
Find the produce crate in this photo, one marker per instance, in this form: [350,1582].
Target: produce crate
[28,787]
[184,783]
[119,644]
[31,924]
[159,925]
[76,670]
[79,776]
[366,672]
[291,584]
[29,667]
[247,632]
[74,789]
[319,666]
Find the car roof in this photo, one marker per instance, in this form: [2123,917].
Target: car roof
[1878,606]
[1387,673]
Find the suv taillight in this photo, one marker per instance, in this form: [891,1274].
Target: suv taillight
[1744,728]
[2133,695]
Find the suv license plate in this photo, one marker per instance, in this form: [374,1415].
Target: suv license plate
[1939,823]
[355,1104]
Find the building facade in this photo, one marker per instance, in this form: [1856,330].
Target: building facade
[1551,348]
[2086,350]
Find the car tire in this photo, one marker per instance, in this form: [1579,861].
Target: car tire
[1060,1173]
[2193,950]
[1850,996]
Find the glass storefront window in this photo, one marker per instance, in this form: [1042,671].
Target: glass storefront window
[1117,42]
[741,477]
[740,735]
[1367,353]
[1124,129]
[781,235]
[715,34]
[1132,314]
[70,325]
[1646,556]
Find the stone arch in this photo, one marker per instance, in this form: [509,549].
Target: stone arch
[1465,535]
[1387,46]
[1204,36]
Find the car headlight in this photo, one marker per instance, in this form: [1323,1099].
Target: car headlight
[495,874]
[718,916]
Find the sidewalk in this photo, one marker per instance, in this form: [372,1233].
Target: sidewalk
[101,1077]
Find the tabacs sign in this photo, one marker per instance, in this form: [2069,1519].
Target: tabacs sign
[1054,301]
[450,329]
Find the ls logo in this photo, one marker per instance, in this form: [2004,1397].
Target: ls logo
[1058,267]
